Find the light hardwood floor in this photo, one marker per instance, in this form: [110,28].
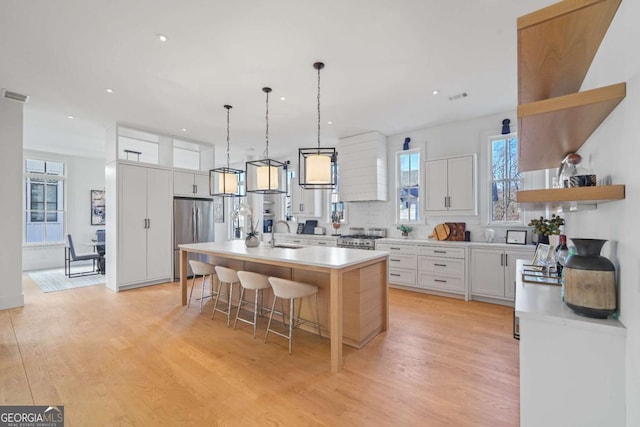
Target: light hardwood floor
[139,358]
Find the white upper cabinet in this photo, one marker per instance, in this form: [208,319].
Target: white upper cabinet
[190,184]
[362,163]
[306,203]
[451,186]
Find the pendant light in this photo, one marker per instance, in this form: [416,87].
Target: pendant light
[224,181]
[318,167]
[266,176]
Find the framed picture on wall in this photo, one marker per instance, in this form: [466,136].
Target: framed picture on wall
[97,207]
[218,209]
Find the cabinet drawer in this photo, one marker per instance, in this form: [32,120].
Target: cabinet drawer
[402,276]
[451,267]
[402,261]
[314,242]
[396,249]
[439,251]
[444,283]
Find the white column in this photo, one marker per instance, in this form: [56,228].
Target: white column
[11,195]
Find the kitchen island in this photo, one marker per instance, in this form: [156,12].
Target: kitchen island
[352,288]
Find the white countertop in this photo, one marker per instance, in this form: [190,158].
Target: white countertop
[318,256]
[306,236]
[456,244]
[544,302]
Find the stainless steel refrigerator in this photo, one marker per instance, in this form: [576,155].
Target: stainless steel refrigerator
[192,223]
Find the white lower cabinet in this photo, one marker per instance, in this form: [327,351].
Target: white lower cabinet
[328,242]
[494,271]
[442,269]
[402,263]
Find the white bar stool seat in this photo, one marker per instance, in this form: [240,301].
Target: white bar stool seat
[202,269]
[256,282]
[229,277]
[291,290]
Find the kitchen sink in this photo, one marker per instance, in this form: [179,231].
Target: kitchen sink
[286,246]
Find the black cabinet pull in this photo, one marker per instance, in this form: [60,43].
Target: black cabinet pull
[440,281]
[393,274]
[439,252]
[396,260]
[440,265]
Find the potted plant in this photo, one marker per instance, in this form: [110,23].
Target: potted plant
[405,230]
[545,227]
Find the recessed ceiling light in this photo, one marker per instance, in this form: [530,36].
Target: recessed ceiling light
[109,90]
[183,129]
[162,37]
[435,92]
[70,117]
[282,98]
[329,123]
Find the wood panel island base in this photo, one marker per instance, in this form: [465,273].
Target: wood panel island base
[352,296]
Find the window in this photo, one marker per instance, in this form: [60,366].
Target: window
[506,179]
[44,201]
[337,208]
[238,217]
[186,155]
[408,185]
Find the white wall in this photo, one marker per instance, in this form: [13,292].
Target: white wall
[83,175]
[11,120]
[613,150]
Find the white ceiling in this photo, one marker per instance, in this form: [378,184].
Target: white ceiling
[384,58]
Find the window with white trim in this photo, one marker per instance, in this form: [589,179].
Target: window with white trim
[505,180]
[408,186]
[44,202]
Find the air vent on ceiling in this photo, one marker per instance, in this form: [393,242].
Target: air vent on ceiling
[14,96]
[458,96]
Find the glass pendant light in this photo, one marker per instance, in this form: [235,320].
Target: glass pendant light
[223,181]
[318,166]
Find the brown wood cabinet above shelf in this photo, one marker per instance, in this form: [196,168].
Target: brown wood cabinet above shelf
[569,198]
[557,44]
[550,129]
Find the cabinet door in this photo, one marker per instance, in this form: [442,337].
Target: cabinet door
[201,183]
[487,277]
[159,250]
[183,183]
[436,185]
[132,231]
[304,202]
[461,184]
[510,270]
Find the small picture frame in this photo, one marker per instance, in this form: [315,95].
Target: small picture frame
[517,237]
[541,255]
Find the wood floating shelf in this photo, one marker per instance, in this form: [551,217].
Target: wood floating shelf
[570,198]
[552,128]
[556,46]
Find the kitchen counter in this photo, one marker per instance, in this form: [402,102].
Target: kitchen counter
[353,294]
[401,241]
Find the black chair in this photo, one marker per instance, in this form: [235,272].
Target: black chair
[100,248]
[70,256]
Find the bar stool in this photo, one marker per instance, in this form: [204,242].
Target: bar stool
[256,282]
[289,289]
[203,269]
[229,277]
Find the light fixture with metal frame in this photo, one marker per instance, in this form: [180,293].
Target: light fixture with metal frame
[224,181]
[266,176]
[318,166]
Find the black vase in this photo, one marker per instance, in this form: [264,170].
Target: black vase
[543,239]
[589,280]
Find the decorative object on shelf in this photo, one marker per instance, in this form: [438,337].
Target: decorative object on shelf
[224,181]
[405,146]
[571,174]
[506,129]
[589,280]
[318,167]
[252,240]
[405,230]
[266,176]
[562,253]
[544,227]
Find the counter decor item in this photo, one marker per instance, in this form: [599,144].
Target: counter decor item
[457,231]
[440,232]
[405,230]
[489,234]
[517,237]
[562,253]
[589,280]
[252,240]
[544,227]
